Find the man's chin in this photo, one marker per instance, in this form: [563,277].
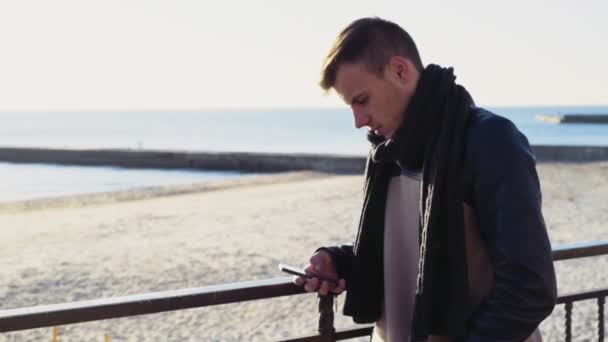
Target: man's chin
[382,133]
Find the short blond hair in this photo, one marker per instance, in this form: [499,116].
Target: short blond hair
[372,41]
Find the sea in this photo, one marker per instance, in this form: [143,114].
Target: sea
[315,131]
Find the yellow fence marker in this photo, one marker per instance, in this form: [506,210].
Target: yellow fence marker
[55,333]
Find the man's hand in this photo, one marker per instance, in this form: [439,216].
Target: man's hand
[321,264]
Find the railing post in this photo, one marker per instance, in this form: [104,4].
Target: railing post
[569,322]
[600,318]
[326,317]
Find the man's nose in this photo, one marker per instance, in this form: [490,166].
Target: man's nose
[361,119]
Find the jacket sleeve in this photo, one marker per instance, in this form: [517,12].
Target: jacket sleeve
[507,199]
[342,257]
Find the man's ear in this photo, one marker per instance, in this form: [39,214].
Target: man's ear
[400,68]
[400,72]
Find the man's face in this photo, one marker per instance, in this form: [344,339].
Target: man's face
[377,103]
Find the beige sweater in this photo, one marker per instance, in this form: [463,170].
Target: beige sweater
[401,254]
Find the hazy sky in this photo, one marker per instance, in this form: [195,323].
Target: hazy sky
[188,54]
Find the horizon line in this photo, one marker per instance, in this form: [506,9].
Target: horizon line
[238,108]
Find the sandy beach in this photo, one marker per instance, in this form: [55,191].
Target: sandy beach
[168,238]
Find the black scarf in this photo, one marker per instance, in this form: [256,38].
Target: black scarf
[431,138]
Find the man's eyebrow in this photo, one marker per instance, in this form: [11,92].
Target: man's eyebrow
[345,99]
[356,97]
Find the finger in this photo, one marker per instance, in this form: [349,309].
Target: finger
[340,288]
[324,289]
[310,269]
[311,285]
[299,280]
[314,267]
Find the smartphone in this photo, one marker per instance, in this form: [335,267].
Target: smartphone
[300,272]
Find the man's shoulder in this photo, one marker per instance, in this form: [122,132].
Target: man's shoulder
[488,127]
[488,133]
[483,122]
[494,147]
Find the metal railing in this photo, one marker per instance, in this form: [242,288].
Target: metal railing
[140,304]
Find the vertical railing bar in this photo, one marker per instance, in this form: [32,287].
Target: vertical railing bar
[326,318]
[600,319]
[569,322]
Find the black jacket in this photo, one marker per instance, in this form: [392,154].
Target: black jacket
[503,188]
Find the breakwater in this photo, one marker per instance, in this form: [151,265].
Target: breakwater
[575,118]
[217,161]
[244,161]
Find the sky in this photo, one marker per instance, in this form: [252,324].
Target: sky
[194,54]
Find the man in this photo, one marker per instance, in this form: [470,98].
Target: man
[452,245]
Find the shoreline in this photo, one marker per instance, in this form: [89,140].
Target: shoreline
[143,193]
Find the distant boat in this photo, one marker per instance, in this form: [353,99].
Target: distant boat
[574,118]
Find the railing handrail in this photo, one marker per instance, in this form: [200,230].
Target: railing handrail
[578,296]
[146,303]
[155,302]
[580,250]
